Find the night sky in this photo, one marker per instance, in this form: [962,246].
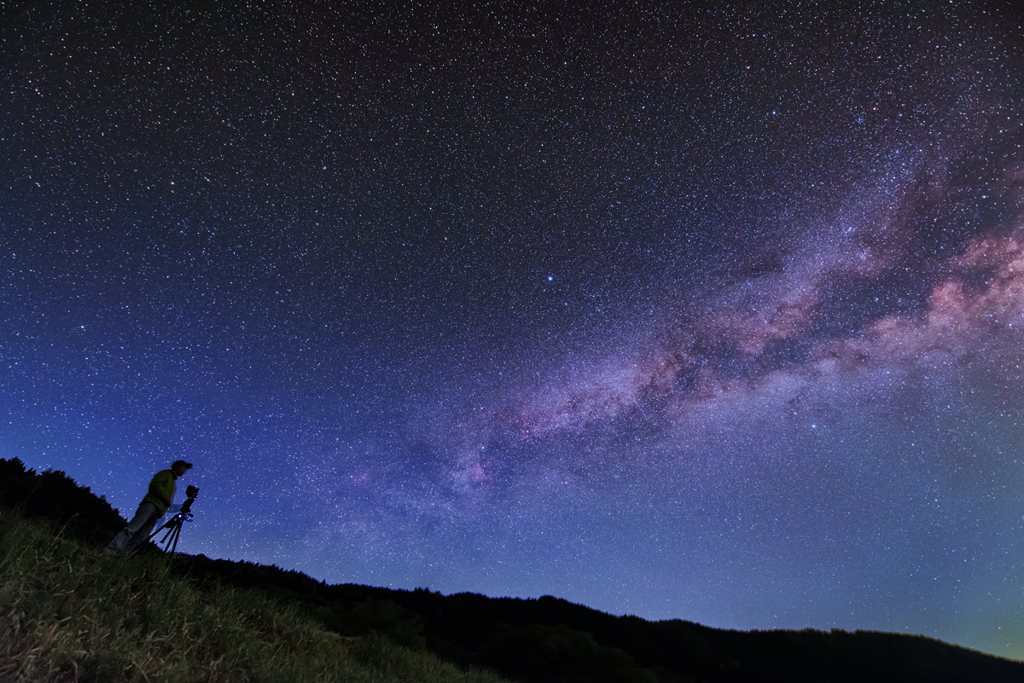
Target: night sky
[680,310]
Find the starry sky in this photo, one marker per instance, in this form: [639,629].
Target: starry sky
[698,310]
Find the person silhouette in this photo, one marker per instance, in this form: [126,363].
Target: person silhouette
[154,505]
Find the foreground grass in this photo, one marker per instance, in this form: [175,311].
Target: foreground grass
[70,613]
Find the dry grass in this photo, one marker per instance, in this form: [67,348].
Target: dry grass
[70,613]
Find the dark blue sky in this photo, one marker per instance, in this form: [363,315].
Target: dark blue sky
[684,310]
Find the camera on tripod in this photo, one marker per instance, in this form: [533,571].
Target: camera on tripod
[190,495]
[173,525]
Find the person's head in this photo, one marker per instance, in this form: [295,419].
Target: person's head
[180,467]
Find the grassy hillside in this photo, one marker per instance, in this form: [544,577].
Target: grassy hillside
[549,639]
[70,613]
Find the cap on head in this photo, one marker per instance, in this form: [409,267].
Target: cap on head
[181,463]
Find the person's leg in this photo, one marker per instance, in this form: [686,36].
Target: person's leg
[145,518]
[143,532]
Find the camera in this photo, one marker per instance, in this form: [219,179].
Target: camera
[190,497]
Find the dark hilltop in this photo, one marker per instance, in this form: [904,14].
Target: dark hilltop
[545,639]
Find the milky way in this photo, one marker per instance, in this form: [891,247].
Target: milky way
[682,311]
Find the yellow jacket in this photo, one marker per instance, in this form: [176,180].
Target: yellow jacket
[161,490]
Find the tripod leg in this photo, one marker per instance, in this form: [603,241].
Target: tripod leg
[173,528]
[170,539]
[167,525]
[177,535]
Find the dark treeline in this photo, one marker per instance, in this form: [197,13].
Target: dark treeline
[543,640]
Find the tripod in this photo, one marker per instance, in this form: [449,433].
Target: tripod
[173,525]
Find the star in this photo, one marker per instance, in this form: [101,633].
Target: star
[711,314]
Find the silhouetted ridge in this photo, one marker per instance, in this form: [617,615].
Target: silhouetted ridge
[538,640]
[54,496]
